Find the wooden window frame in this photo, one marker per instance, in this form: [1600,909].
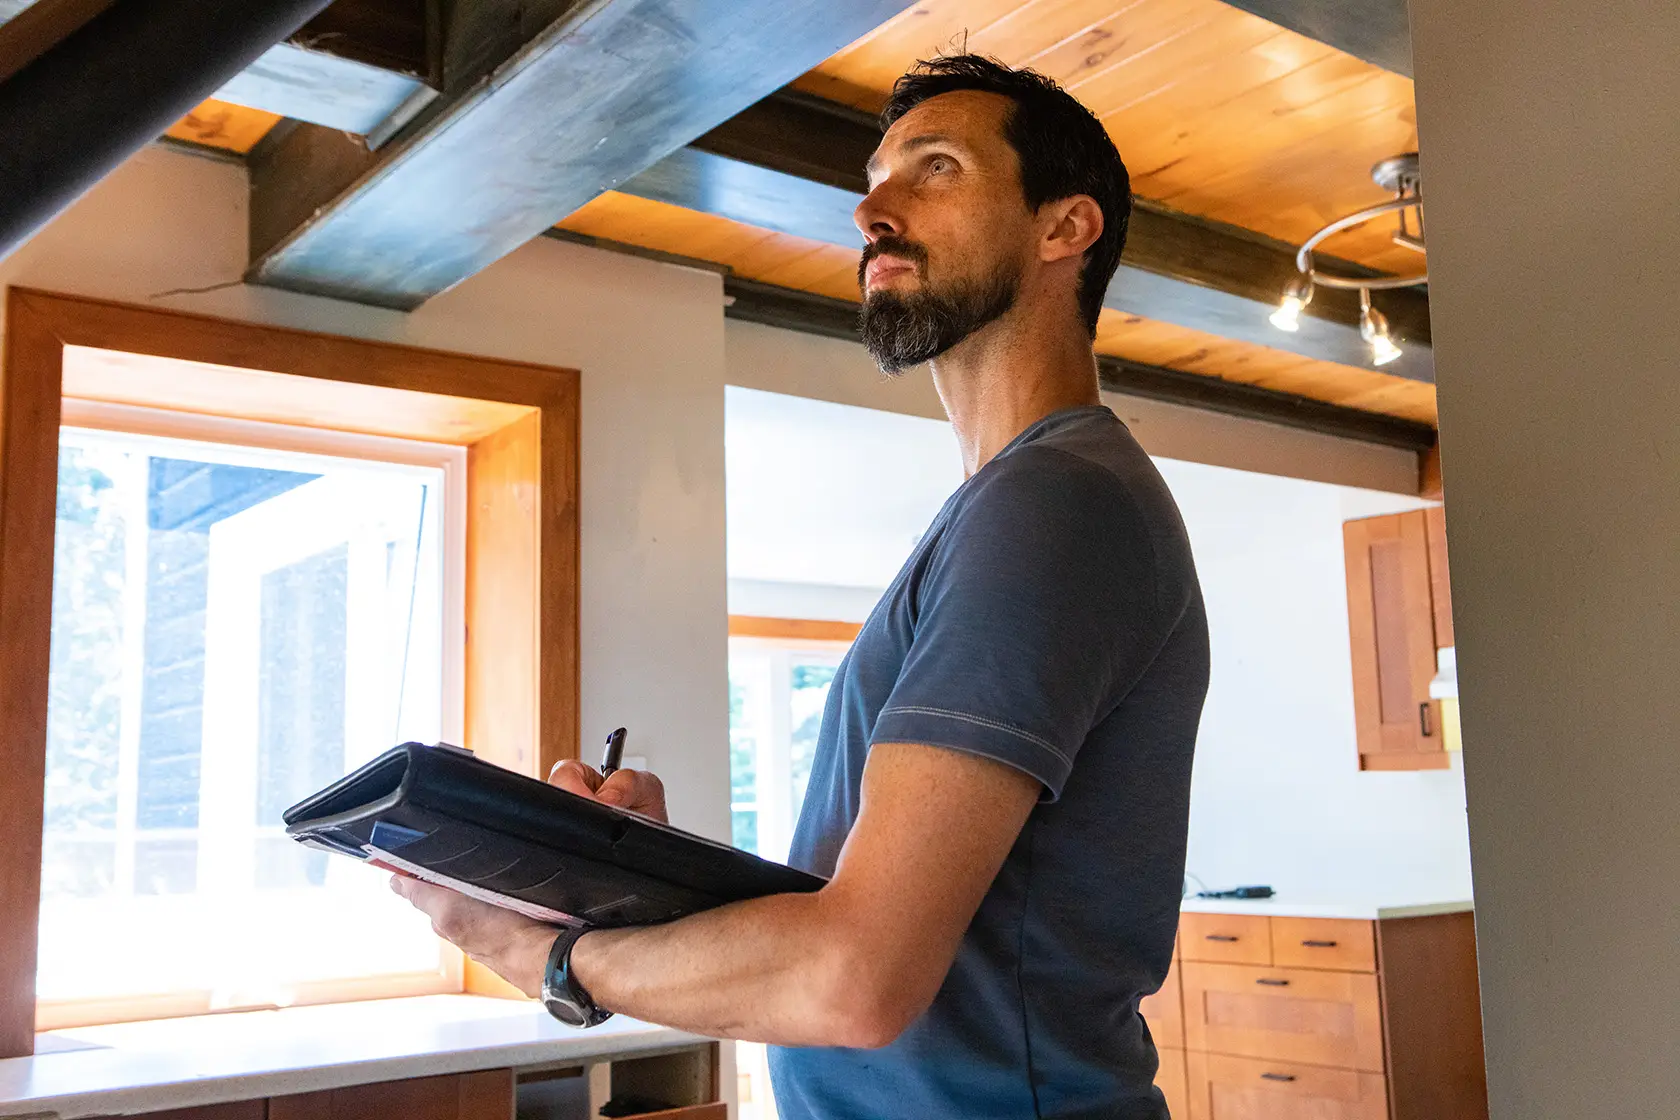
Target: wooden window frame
[519,423]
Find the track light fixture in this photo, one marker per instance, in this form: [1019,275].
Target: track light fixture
[1373,328]
[1402,176]
[1296,297]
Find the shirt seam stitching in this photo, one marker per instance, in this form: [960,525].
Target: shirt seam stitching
[980,721]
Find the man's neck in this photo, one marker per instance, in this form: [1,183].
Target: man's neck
[1008,376]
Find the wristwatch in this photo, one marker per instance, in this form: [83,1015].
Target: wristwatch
[562,995]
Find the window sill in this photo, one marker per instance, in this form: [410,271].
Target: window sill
[214,1059]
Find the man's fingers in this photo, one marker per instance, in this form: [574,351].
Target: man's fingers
[636,790]
[575,777]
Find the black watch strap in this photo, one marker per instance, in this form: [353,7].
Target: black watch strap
[562,995]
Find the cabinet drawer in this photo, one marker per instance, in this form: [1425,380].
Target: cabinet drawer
[1349,946]
[1287,1014]
[1225,938]
[1225,1088]
[1170,1079]
[1164,1011]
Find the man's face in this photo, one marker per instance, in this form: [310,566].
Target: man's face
[946,228]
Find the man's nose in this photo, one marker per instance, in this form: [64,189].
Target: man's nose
[877,216]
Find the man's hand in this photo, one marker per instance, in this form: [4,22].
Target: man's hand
[635,790]
[511,945]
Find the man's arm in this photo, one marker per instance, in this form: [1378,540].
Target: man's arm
[850,965]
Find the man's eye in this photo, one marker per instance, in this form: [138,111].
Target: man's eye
[938,166]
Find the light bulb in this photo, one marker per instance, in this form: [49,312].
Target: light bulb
[1373,328]
[1288,315]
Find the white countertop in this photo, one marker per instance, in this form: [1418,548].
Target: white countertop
[212,1059]
[1282,906]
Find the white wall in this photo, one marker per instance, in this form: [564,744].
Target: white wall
[1278,796]
[1551,141]
[648,338]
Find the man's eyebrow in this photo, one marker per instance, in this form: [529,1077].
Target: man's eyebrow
[920,140]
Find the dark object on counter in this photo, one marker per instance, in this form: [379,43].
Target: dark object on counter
[1239,892]
[633,1104]
[439,814]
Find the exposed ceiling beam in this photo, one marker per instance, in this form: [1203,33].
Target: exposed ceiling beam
[794,164]
[791,309]
[597,94]
[112,86]
[1378,31]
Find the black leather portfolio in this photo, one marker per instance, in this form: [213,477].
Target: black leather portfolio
[440,814]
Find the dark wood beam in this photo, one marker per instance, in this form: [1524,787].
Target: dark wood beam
[29,28]
[602,92]
[1378,31]
[791,309]
[113,85]
[794,164]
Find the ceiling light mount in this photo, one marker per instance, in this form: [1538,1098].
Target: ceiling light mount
[1402,176]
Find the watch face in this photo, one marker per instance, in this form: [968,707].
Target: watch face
[565,1012]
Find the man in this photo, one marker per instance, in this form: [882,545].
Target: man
[1001,786]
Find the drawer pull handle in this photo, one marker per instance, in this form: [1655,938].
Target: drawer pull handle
[1270,983]
[1221,937]
[1319,944]
[1278,1076]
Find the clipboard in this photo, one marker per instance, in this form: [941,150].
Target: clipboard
[438,813]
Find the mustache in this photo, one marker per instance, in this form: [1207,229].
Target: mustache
[893,245]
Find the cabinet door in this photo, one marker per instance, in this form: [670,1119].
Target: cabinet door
[1170,1079]
[1164,1012]
[486,1095]
[1287,1014]
[1391,625]
[1225,1088]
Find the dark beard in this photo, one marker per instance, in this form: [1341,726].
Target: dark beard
[901,331]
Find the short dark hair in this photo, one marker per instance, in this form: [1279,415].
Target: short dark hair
[1064,150]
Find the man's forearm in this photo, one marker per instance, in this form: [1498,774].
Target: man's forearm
[769,969]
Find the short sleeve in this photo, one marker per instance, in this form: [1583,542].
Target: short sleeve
[1037,611]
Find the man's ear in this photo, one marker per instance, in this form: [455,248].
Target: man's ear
[1073,226]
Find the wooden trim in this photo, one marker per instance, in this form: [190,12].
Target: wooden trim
[792,629]
[29,404]
[1440,583]
[540,436]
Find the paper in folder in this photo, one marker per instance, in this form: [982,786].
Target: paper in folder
[440,814]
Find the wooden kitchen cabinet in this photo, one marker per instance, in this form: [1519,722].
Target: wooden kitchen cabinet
[239,1110]
[1350,1020]
[1395,631]
[485,1095]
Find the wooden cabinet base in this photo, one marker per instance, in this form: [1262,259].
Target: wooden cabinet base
[486,1095]
[1225,1088]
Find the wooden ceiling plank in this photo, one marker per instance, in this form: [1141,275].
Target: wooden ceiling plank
[603,92]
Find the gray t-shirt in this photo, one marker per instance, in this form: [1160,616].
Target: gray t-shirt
[1049,619]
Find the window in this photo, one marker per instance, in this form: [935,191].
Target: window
[249,559]
[234,627]
[777,694]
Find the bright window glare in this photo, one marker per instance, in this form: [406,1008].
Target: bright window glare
[232,630]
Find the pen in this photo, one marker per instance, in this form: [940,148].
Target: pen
[615,752]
